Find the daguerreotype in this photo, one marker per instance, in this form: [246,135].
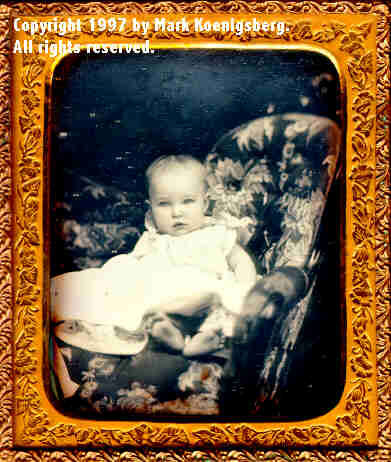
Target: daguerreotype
[200,230]
[157,251]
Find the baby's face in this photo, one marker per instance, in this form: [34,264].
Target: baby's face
[178,201]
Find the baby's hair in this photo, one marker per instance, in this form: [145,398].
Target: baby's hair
[165,163]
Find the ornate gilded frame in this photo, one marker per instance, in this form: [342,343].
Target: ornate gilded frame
[357,37]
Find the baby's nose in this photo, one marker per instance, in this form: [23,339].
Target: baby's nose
[177,210]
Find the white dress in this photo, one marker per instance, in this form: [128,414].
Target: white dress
[159,269]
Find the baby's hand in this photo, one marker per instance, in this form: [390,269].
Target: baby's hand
[232,296]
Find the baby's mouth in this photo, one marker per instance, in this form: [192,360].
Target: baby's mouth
[179,225]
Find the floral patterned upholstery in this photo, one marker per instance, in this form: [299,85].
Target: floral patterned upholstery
[273,176]
[269,178]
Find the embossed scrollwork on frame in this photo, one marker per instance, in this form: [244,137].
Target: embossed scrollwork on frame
[5,236]
[368,235]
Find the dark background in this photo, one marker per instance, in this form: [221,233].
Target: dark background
[112,115]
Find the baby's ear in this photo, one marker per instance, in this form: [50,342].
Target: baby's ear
[149,222]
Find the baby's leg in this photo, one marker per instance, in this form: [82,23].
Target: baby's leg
[205,342]
[213,333]
[163,330]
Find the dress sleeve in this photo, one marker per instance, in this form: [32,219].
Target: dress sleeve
[229,239]
[142,248]
[144,245]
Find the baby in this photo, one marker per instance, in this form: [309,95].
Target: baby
[179,234]
[184,263]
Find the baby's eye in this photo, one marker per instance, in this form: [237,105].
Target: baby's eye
[163,204]
[188,200]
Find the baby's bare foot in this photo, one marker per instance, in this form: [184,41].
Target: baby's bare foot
[204,343]
[166,333]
